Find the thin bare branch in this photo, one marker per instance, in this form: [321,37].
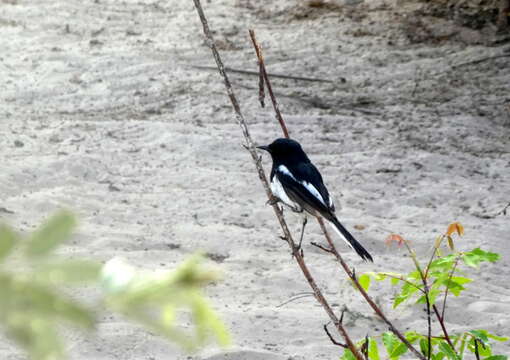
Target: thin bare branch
[477,353]
[446,292]
[364,348]
[443,327]
[268,84]
[262,176]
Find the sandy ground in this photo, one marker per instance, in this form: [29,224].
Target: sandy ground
[102,112]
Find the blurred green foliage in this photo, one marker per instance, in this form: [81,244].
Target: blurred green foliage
[34,304]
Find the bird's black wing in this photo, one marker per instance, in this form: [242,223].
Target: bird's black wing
[303,184]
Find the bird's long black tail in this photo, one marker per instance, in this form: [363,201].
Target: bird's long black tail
[349,239]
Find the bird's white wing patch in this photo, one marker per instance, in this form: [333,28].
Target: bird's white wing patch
[283,169]
[279,192]
[312,189]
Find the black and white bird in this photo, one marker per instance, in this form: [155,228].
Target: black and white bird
[297,183]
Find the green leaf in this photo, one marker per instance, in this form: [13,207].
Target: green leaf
[454,287]
[438,356]
[461,280]
[7,240]
[390,341]
[497,338]
[207,321]
[399,350]
[424,346]
[43,301]
[364,281]
[484,335]
[412,336]
[448,351]
[481,335]
[484,349]
[474,257]
[373,350]
[36,334]
[68,272]
[56,230]
[444,264]
[348,355]
[497,357]
[380,276]
[406,292]
[414,275]
[433,294]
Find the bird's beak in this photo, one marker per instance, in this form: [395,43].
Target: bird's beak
[264,147]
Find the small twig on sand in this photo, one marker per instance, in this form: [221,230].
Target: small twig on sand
[296,297]
[255,73]
[478,61]
[503,212]
[262,176]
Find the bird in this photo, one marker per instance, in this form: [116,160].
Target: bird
[298,184]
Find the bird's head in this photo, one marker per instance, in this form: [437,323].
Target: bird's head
[283,150]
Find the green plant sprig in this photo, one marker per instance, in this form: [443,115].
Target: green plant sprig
[442,275]
[34,303]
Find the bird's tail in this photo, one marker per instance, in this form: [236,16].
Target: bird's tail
[349,239]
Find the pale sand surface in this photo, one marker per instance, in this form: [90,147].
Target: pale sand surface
[102,113]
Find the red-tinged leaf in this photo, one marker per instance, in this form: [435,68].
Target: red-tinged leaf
[394,238]
[455,228]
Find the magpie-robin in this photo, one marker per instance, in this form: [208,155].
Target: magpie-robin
[297,183]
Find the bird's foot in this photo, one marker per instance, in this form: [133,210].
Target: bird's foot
[273,201]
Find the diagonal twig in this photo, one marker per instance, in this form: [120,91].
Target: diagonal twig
[281,76]
[260,170]
[478,61]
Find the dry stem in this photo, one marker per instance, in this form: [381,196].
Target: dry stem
[251,148]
